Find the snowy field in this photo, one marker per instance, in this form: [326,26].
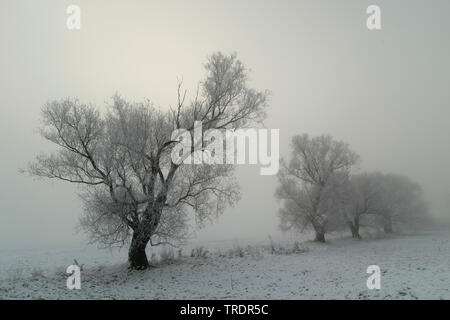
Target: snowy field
[413,267]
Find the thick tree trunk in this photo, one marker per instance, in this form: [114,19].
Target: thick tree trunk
[142,234]
[320,236]
[319,224]
[354,228]
[136,254]
[355,232]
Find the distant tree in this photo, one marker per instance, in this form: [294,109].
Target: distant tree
[401,203]
[308,183]
[132,191]
[389,199]
[357,197]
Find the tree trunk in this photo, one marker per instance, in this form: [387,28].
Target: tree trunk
[319,224]
[354,227]
[320,236]
[136,254]
[355,232]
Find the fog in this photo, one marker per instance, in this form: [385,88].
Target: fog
[384,92]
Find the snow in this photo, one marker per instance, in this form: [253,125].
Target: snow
[413,267]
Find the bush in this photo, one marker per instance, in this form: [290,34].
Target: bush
[199,252]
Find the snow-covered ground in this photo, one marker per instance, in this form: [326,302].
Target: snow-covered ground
[412,267]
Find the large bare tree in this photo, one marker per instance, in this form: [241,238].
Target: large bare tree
[308,182]
[131,190]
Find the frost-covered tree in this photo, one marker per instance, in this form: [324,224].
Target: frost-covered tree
[309,180]
[359,196]
[401,203]
[131,190]
[387,198]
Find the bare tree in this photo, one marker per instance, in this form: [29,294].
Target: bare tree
[359,196]
[131,188]
[389,199]
[401,203]
[308,182]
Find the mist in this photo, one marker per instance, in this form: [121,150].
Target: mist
[385,92]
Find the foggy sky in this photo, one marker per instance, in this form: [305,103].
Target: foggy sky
[384,92]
